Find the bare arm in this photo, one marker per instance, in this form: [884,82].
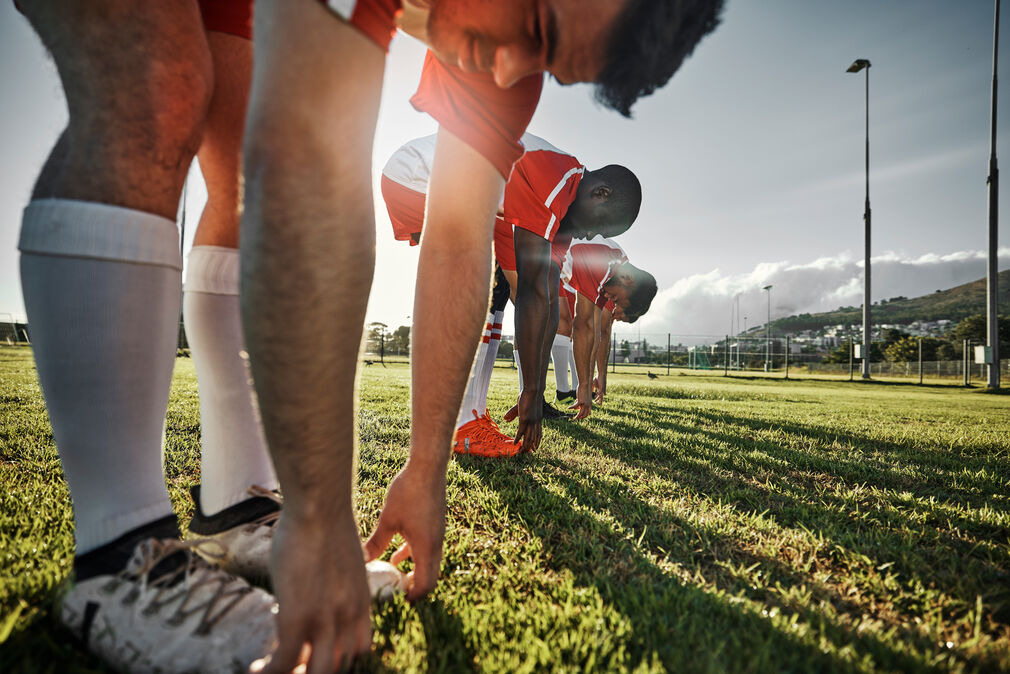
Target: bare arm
[450,303]
[308,239]
[601,353]
[533,310]
[585,329]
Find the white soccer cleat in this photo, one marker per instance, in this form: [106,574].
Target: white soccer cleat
[192,617]
[246,534]
[244,530]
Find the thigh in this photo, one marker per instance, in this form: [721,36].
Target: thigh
[137,78]
[221,149]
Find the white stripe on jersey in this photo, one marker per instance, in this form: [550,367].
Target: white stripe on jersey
[554,193]
[536,143]
[342,7]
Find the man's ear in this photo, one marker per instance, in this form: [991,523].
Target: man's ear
[602,192]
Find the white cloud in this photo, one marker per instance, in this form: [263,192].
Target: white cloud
[702,304]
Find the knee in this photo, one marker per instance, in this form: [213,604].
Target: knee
[154,110]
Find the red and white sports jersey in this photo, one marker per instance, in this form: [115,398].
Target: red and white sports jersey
[589,265]
[542,186]
[537,196]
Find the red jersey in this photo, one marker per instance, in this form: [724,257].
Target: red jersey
[589,265]
[228,16]
[537,196]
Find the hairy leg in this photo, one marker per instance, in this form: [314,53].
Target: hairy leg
[137,78]
[234,455]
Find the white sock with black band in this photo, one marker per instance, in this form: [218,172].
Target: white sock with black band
[102,290]
[234,453]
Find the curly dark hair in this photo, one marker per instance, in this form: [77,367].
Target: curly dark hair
[641,297]
[648,44]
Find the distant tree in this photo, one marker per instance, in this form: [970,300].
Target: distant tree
[625,349]
[974,328]
[906,349]
[505,350]
[839,354]
[892,336]
[374,337]
[399,341]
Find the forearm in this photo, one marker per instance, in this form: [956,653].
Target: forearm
[451,295]
[583,336]
[298,289]
[602,353]
[532,320]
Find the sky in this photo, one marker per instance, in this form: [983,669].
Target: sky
[751,158]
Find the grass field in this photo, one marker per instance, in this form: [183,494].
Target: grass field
[694,523]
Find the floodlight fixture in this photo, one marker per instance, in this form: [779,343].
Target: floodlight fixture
[858,65]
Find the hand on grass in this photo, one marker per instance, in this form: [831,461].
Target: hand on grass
[414,508]
[584,401]
[600,388]
[531,413]
[320,585]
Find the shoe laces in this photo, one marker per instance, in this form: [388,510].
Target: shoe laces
[270,519]
[180,584]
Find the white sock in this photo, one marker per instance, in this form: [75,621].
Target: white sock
[519,367]
[102,290]
[560,352]
[475,398]
[571,366]
[234,452]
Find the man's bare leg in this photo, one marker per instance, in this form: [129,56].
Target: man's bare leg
[233,449]
[100,260]
[308,241]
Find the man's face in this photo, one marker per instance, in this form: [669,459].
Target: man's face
[515,38]
[620,295]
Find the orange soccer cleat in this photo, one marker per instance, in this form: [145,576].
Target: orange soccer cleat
[482,437]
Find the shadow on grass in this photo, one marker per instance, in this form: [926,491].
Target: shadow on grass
[925,545]
[686,627]
[447,648]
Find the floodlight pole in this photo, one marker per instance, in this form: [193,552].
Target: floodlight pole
[858,65]
[768,331]
[992,285]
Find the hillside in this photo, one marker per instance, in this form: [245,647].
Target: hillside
[953,304]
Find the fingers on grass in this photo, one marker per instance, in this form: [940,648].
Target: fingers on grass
[425,577]
[291,647]
[402,554]
[324,652]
